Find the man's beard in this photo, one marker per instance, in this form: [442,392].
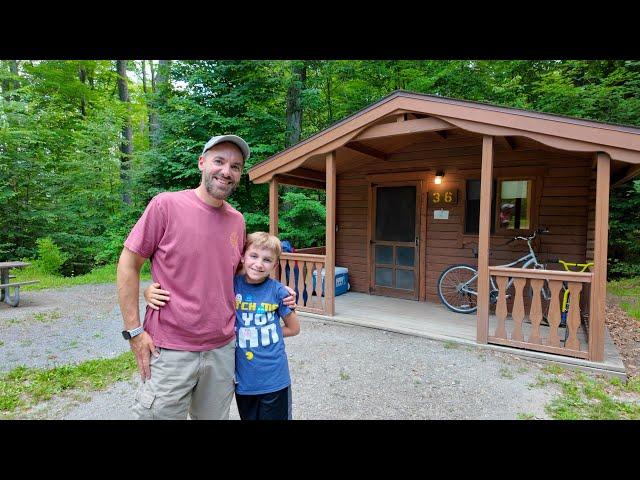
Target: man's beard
[215,190]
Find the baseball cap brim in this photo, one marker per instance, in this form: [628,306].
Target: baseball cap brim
[236,140]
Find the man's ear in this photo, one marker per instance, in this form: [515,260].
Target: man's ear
[201,162]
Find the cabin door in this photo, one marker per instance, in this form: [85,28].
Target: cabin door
[394,238]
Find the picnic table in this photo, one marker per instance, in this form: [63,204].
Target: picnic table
[6,284]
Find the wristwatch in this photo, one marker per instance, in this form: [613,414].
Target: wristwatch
[129,334]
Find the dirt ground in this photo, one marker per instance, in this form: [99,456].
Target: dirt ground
[625,332]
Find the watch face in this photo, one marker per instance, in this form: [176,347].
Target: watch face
[126,335]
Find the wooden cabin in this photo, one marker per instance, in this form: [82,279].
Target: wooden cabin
[396,229]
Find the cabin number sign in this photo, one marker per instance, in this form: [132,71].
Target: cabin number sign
[443,197]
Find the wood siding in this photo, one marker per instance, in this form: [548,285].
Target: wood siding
[565,181]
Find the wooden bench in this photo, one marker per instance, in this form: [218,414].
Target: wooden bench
[14,299]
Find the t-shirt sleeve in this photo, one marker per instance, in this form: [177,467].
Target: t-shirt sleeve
[282,292]
[148,230]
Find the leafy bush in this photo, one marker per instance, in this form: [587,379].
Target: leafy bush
[50,257]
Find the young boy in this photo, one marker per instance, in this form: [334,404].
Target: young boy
[263,381]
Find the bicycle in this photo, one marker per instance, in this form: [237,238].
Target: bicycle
[569,267]
[457,286]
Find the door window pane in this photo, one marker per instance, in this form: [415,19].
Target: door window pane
[384,277]
[404,279]
[405,256]
[396,214]
[384,254]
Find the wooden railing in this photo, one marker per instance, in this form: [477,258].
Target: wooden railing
[312,250]
[552,340]
[303,273]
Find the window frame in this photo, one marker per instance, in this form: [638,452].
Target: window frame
[532,200]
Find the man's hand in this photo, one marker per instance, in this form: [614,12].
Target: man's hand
[290,301]
[143,347]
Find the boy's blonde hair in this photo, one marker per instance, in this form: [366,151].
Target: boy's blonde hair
[266,241]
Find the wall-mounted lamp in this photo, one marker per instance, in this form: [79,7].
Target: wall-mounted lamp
[439,175]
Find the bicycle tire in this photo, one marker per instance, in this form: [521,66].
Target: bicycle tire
[448,282]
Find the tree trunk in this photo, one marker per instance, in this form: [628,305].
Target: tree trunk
[294,103]
[126,146]
[161,91]
[144,76]
[83,102]
[9,84]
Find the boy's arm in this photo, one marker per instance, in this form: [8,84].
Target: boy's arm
[291,326]
[156,297]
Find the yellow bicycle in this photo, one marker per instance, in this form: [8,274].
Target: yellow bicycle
[569,267]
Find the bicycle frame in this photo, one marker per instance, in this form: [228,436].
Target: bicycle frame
[527,260]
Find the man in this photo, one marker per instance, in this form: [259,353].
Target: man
[186,351]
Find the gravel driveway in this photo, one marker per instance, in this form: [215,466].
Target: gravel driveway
[339,371]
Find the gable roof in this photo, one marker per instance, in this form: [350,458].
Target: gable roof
[621,142]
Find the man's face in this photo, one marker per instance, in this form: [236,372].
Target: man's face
[221,168]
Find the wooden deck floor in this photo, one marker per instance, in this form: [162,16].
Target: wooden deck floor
[431,320]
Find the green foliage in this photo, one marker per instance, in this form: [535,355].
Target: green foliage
[302,218]
[61,124]
[50,257]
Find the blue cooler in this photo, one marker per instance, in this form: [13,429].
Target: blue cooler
[342,280]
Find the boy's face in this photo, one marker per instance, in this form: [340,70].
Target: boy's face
[258,263]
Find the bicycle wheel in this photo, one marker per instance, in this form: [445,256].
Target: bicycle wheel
[457,288]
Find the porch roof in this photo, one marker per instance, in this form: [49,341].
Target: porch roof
[403,114]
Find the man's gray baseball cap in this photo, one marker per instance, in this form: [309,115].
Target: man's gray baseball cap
[242,145]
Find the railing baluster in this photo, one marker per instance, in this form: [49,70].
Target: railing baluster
[319,286]
[573,317]
[309,284]
[553,315]
[535,314]
[283,278]
[518,309]
[301,264]
[501,307]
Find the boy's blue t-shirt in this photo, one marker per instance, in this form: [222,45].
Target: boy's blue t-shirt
[261,361]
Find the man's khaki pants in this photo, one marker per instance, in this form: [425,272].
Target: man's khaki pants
[198,383]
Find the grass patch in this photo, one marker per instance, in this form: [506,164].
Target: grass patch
[449,344]
[24,387]
[525,416]
[587,398]
[506,373]
[45,317]
[104,274]
[553,369]
[627,294]
[344,375]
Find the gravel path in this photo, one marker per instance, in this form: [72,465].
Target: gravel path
[339,371]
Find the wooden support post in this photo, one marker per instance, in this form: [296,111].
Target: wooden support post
[599,284]
[273,214]
[486,183]
[273,207]
[330,256]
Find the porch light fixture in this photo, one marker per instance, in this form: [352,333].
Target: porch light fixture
[439,175]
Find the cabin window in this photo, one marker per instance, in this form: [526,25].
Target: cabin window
[472,207]
[514,204]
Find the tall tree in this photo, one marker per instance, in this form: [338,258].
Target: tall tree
[294,102]
[126,145]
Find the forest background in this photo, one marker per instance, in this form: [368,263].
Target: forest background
[84,145]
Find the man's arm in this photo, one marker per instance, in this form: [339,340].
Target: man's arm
[128,283]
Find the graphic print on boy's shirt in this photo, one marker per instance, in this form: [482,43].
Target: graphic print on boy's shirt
[258,320]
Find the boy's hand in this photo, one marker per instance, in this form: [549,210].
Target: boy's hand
[155,297]
[290,301]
